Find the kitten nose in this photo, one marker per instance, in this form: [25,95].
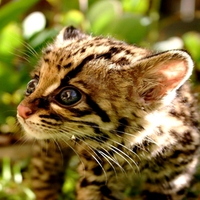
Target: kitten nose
[24,111]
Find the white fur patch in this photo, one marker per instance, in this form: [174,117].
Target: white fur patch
[184,179]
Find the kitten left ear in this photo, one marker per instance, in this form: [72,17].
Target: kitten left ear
[162,74]
[68,33]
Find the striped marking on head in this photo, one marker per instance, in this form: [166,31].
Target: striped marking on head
[51,88]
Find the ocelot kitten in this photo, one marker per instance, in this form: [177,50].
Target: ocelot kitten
[124,110]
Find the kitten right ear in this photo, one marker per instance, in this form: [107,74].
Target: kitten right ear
[162,74]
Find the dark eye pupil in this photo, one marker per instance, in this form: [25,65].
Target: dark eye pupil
[31,86]
[69,96]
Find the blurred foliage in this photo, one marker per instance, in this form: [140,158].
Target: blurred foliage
[11,187]
[134,21]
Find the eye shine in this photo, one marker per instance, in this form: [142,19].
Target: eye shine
[69,96]
[32,84]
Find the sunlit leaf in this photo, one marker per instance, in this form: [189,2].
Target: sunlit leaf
[10,39]
[136,6]
[6,169]
[192,44]
[73,17]
[17,175]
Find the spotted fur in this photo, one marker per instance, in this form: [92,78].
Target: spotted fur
[124,110]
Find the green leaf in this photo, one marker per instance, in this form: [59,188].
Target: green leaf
[12,10]
[136,6]
[102,13]
[41,39]
[73,17]
[6,169]
[10,39]
[129,27]
[192,44]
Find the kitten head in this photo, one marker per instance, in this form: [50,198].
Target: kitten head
[93,88]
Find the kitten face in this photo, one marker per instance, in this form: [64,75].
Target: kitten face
[91,88]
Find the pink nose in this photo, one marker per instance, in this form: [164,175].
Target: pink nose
[24,111]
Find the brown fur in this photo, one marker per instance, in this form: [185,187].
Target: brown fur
[125,109]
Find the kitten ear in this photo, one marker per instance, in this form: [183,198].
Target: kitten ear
[162,74]
[69,33]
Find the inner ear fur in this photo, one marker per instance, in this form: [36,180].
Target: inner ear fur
[161,74]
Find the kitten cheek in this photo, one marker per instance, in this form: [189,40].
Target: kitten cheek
[31,131]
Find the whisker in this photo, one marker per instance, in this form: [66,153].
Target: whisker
[22,55]
[68,144]
[31,49]
[60,150]
[119,152]
[113,160]
[94,157]
[108,160]
[96,138]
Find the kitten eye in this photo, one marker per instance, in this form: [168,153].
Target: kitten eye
[31,86]
[69,96]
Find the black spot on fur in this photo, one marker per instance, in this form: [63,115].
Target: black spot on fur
[184,100]
[128,51]
[68,65]
[47,51]
[61,59]
[148,195]
[122,125]
[106,56]
[187,138]
[84,183]
[136,149]
[97,170]
[115,50]
[83,50]
[176,154]
[58,67]
[46,60]
[123,61]
[181,192]
[105,191]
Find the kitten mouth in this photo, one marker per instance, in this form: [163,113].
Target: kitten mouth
[19,118]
